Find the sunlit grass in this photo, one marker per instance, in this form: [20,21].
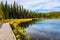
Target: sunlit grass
[18,31]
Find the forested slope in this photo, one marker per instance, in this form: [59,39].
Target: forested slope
[15,11]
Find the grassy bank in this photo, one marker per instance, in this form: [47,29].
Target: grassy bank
[18,31]
[11,21]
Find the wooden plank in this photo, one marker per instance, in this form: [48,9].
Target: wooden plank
[6,32]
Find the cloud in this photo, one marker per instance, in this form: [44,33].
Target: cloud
[38,5]
[9,1]
[41,5]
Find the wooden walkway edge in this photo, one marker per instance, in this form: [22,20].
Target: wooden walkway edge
[6,32]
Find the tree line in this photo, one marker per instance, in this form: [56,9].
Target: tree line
[15,11]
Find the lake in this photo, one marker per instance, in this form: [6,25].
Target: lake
[44,29]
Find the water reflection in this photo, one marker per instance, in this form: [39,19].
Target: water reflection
[43,30]
[26,24]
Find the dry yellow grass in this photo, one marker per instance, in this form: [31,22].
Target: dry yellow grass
[15,21]
[17,29]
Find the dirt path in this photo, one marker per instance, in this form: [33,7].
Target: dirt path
[6,32]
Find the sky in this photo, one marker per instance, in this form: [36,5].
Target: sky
[38,5]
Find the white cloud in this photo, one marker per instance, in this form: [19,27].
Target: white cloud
[29,3]
[41,4]
[9,1]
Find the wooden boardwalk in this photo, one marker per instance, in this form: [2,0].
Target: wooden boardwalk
[6,32]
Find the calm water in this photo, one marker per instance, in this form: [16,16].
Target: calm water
[44,30]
